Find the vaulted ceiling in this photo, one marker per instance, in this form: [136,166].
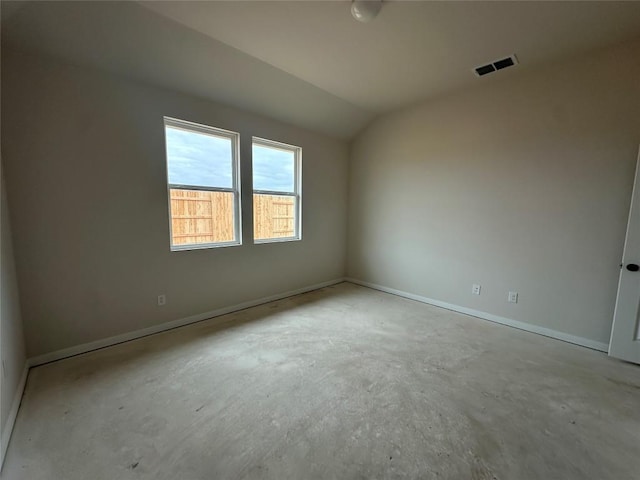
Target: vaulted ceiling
[309,62]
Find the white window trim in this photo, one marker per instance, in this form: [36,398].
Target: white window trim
[297,188]
[235,189]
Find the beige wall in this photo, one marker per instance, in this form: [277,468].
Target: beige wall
[12,348]
[85,167]
[522,183]
[12,341]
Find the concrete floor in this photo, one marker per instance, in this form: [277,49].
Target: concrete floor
[344,382]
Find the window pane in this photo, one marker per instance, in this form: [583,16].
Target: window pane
[273,216]
[201,217]
[198,159]
[273,169]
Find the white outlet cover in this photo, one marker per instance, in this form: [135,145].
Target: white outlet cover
[475,289]
[513,297]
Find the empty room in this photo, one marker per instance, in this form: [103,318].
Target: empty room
[320,240]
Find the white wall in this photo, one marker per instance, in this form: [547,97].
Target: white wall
[85,166]
[12,340]
[522,183]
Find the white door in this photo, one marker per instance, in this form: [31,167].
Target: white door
[625,334]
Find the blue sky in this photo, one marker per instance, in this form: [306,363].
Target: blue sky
[272,169]
[198,159]
[205,160]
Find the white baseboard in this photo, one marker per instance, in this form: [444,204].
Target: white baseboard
[125,337]
[547,332]
[13,413]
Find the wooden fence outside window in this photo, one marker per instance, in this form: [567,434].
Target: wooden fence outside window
[207,217]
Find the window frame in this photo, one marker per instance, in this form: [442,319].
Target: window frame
[235,182]
[297,188]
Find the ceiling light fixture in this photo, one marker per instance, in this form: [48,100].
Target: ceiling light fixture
[365,10]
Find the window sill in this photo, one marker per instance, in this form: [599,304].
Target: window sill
[203,246]
[277,240]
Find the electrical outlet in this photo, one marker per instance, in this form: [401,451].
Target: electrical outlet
[475,289]
[162,300]
[513,297]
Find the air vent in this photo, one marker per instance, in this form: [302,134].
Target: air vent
[496,65]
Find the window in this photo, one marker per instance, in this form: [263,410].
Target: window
[277,174]
[203,184]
